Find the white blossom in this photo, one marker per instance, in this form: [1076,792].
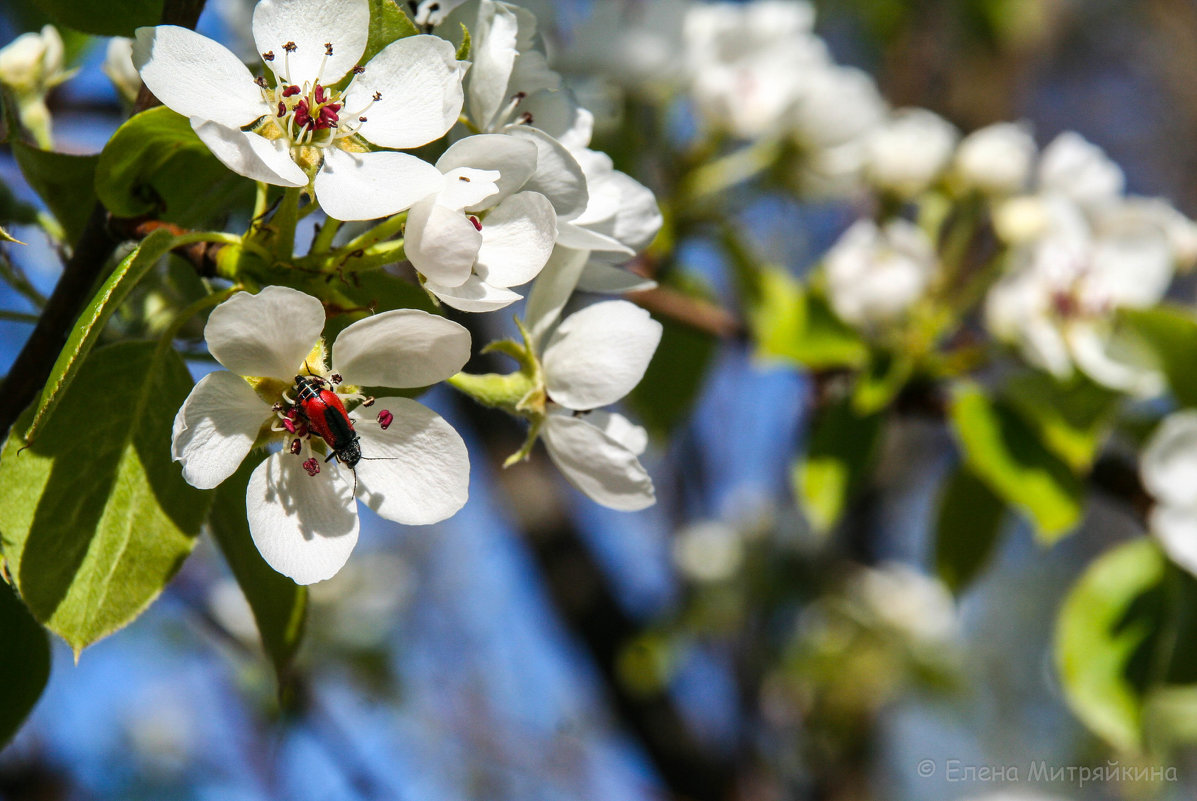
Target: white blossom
[118,66]
[480,235]
[996,160]
[909,151]
[1079,170]
[592,359]
[414,468]
[874,275]
[1168,466]
[32,63]
[309,127]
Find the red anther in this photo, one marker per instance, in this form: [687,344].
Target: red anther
[385,419]
[291,90]
[328,116]
[296,446]
[319,94]
[302,116]
[289,424]
[312,466]
[282,109]
[477,223]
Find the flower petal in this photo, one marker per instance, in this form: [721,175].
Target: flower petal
[575,236]
[216,427]
[475,295]
[401,348]
[415,472]
[441,243]
[597,355]
[495,37]
[1175,527]
[597,464]
[466,187]
[419,79]
[366,186]
[1168,463]
[267,334]
[620,429]
[552,290]
[248,154]
[517,240]
[196,76]
[558,175]
[312,26]
[606,279]
[513,158]
[304,526]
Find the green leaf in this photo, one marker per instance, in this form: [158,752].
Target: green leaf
[96,516]
[1103,634]
[674,377]
[1171,333]
[1005,453]
[966,529]
[279,605]
[114,18]
[63,181]
[24,665]
[5,236]
[91,323]
[843,445]
[388,22]
[155,164]
[880,382]
[1071,417]
[796,324]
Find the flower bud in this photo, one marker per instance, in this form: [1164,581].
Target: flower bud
[996,160]
[32,63]
[874,275]
[906,154]
[118,66]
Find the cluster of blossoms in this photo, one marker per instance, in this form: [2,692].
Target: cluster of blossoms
[517,196]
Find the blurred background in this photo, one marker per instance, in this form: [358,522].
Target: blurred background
[538,646]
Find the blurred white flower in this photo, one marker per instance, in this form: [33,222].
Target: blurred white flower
[874,275]
[748,62]
[708,551]
[836,110]
[118,66]
[909,151]
[1080,171]
[919,606]
[631,43]
[1057,303]
[1168,466]
[31,64]
[996,160]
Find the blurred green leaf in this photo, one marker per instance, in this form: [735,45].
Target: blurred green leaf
[96,516]
[155,164]
[1005,453]
[838,458]
[24,666]
[966,529]
[63,181]
[388,22]
[674,377]
[114,18]
[881,381]
[279,605]
[795,323]
[1071,417]
[1171,333]
[91,322]
[1104,629]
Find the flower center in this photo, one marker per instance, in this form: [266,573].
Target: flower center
[312,113]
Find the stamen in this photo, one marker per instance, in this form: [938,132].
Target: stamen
[319,94]
[385,419]
[290,47]
[358,69]
[336,378]
[361,119]
[282,109]
[291,91]
[465,178]
[328,48]
[312,466]
[260,81]
[268,55]
[377,96]
[526,118]
[296,446]
[368,402]
[477,223]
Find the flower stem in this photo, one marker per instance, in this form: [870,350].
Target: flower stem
[727,171]
[384,230]
[18,317]
[284,225]
[324,238]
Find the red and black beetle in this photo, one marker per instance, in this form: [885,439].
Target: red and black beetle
[326,416]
